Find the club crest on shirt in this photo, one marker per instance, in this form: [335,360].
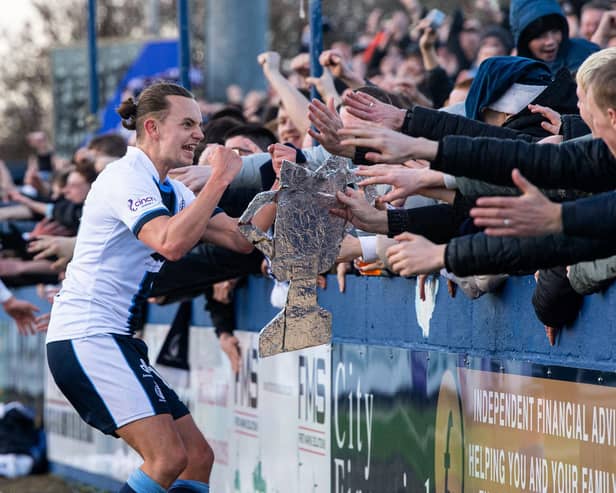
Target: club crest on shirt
[135,205]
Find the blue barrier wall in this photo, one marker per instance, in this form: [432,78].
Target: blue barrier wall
[381,311]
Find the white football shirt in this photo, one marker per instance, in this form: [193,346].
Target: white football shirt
[111,273]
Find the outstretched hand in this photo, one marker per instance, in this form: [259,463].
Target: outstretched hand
[193,177]
[48,226]
[60,247]
[370,109]
[23,312]
[350,248]
[327,122]
[390,146]
[530,214]
[553,122]
[41,323]
[404,180]
[15,195]
[359,212]
[415,255]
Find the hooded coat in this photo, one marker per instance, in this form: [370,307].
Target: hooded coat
[572,52]
[558,95]
[495,77]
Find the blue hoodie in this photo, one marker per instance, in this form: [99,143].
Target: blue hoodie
[572,52]
[497,74]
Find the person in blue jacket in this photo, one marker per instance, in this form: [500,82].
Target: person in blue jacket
[540,31]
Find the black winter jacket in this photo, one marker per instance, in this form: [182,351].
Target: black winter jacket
[592,217]
[583,165]
[587,165]
[438,222]
[435,125]
[482,254]
[573,127]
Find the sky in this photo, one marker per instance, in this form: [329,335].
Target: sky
[14,14]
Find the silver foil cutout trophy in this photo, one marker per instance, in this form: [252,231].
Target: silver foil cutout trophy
[305,243]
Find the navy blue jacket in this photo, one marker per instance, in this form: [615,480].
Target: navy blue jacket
[572,52]
[497,74]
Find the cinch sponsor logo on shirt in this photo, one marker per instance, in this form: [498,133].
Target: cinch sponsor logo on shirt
[135,205]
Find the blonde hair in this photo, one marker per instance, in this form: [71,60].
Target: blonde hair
[603,86]
[588,70]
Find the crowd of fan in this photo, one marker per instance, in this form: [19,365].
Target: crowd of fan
[457,119]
